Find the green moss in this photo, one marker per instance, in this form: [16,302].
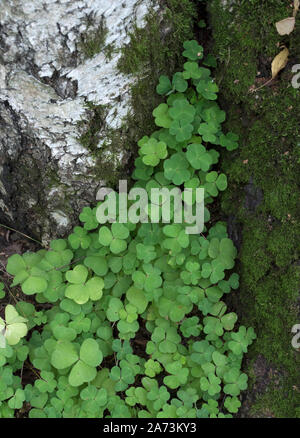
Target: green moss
[92,42]
[245,42]
[90,135]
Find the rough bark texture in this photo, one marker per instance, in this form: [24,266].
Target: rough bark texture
[55,56]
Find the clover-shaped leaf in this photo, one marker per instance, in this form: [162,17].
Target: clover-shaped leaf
[136,396]
[191,327]
[141,171]
[198,157]
[182,111]
[153,151]
[235,382]
[14,327]
[192,70]
[115,238]
[229,320]
[213,325]
[88,216]
[211,384]
[232,404]
[79,238]
[47,383]
[208,89]
[84,369]
[158,395]
[81,290]
[241,340]
[137,298]
[164,86]
[176,168]
[179,83]
[122,348]
[215,182]
[193,50]
[208,131]
[181,129]
[122,376]
[161,115]
[16,402]
[229,141]
[94,399]
[152,368]
[146,253]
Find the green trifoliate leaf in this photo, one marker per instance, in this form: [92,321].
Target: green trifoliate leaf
[90,352]
[229,141]
[232,404]
[79,238]
[78,275]
[97,263]
[153,151]
[229,320]
[34,285]
[179,83]
[211,384]
[161,115]
[198,157]
[181,129]
[88,216]
[182,111]
[208,89]
[64,355]
[192,70]
[13,328]
[81,373]
[164,86]
[137,298]
[16,402]
[191,327]
[193,50]
[114,238]
[235,382]
[208,132]
[176,169]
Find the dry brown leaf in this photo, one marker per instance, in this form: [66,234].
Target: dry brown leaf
[285,26]
[279,62]
[296,7]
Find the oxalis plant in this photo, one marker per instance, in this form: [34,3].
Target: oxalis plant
[130,319]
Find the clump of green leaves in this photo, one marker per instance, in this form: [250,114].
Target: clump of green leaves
[130,305]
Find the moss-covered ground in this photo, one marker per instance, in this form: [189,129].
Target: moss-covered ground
[263,195]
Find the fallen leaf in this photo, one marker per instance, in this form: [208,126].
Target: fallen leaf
[296,7]
[279,62]
[285,26]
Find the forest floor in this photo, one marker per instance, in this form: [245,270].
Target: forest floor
[262,200]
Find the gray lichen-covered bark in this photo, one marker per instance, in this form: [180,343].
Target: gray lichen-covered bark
[49,68]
